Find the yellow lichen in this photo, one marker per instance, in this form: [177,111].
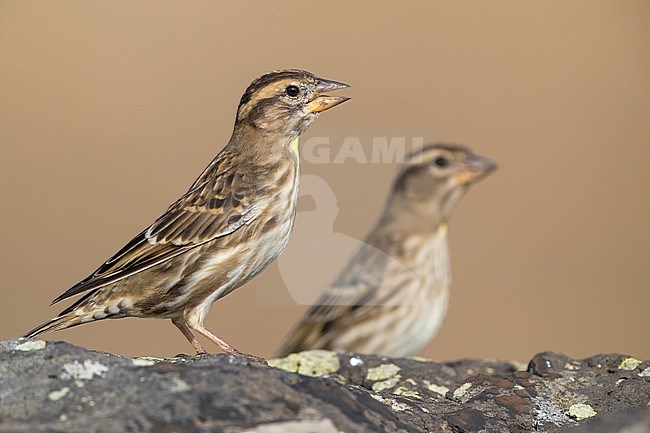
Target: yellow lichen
[384,371]
[402,390]
[386,384]
[462,390]
[339,378]
[289,363]
[30,345]
[438,389]
[310,363]
[581,411]
[629,364]
[59,394]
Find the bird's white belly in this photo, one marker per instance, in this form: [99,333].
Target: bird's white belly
[252,257]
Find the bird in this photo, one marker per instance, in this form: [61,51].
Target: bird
[233,221]
[391,297]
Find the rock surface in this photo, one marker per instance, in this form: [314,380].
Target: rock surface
[59,387]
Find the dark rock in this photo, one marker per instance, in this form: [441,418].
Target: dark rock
[635,420]
[59,387]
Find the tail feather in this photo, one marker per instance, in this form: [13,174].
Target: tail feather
[60,322]
[66,319]
[305,336]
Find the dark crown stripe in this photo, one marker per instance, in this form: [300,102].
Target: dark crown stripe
[269,78]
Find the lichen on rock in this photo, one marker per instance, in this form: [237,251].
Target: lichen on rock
[629,364]
[313,363]
[85,371]
[30,345]
[581,411]
[67,388]
[382,372]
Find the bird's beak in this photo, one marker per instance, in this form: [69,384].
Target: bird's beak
[476,168]
[325,102]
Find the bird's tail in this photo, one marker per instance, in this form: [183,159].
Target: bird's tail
[305,336]
[63,321]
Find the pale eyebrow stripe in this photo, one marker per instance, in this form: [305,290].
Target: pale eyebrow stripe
[268,91]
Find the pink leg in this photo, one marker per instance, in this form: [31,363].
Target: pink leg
[187,332]
[225,346]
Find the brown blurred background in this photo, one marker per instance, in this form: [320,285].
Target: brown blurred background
[110,109]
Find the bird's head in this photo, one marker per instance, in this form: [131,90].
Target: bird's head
[286,102]
[435,177]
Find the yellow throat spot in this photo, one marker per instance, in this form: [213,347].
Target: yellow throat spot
[442,229]
[293,145]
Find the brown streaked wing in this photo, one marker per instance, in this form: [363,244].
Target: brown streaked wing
[355,292]
[336,311]
[336,303]
[217,207]
[357,285]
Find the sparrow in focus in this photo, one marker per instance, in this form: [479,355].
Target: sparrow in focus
[235,219]
[392,296]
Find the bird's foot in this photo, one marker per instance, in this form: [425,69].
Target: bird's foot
[219,342]
[253,358]
[257,359]
[185,356]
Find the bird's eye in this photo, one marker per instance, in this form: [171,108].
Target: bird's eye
[292,91]
[441,161]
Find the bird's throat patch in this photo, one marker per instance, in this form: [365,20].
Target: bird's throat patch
[293,145]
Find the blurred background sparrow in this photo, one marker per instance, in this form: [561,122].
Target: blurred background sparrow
[392,297]
[233,221]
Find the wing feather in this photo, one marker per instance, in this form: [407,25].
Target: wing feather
[216,207]
[353,296]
